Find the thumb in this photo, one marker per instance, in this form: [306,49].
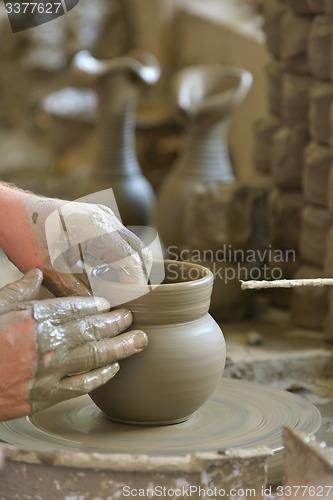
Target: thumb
[64,284]
[26,288]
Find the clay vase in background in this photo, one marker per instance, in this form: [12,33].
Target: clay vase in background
[206,96]
[117,84]
[185,356]
[68,115]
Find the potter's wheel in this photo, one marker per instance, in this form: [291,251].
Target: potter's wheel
[238,415]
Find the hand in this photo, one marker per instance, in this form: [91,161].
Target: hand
[54,235]
[57,349]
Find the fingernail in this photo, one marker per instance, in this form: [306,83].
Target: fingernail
[140,340]
[102,304]
[109,371]
[128,318]
[33,275]
[32,281]
[115,368]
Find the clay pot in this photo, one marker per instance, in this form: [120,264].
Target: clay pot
[185,357]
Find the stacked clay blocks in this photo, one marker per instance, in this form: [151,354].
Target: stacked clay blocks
[294,146]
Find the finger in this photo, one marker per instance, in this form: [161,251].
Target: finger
[97,354]
[64,284]
[115,250]
[65,310]
[120,256]
[77,385]
[129,270]
[142,251]
[107,248]
[98,327]
[24,289]
[131,238]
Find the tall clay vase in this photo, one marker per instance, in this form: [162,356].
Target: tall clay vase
[206,95]
[185,356]
[117,84]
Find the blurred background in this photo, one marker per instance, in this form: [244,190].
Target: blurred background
[37,140]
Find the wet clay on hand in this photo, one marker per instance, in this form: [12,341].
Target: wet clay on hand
[57,349]
[36,231]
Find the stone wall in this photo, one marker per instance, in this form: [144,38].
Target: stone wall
[293,144]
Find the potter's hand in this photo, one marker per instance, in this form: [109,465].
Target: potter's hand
[36,231]
[57,349]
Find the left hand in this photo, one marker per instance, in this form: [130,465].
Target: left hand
[57,349]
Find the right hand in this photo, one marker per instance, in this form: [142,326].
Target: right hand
[57,349]
[53,235]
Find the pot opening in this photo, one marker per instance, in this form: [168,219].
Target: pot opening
[167,278]
[175,272]
[182,272]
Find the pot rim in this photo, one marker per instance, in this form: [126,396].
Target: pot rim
[207,277]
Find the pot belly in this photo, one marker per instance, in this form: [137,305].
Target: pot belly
[171,379]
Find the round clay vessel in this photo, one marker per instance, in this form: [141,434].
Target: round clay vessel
[185,356]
